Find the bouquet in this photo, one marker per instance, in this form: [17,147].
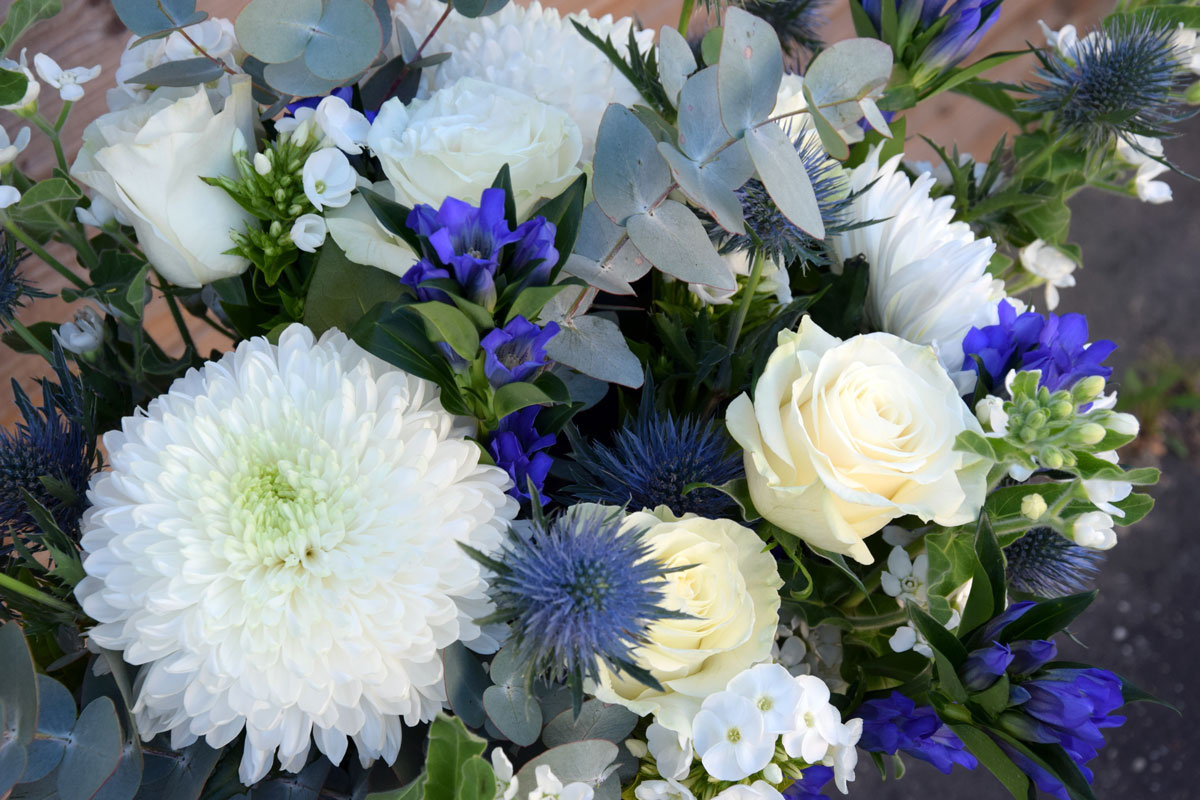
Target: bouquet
[587,411]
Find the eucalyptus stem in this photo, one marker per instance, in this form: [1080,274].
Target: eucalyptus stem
[15,586]
[685,16]
[40,252]
[188,342]
[31,340]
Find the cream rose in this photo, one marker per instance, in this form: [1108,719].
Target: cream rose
[728,588]
[843,437]
[148,161]
[454,143]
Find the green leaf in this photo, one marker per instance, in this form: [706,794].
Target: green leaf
[46,207]
[478,8]
[398,337]
[749,71]
[186,72]
[56,718]
[148,17]
[992,757]
[93,752]
[477,780]
[517,395]
[951,564]
[447,324]
[839,561]
[533,299]
[566,212]
[960,76]
[1046,618]
[342,292]
[514,712]
[710,45]
[988,587]
[22,15]
[68,567]
[675,241]
[347,40]
[940,639]
[465,682]
[975,442]
[393,216]
[994,699]
[13,84]
[451,745]
[277,31]
[595,346]
[1136,506]
[629,175]
[787,181]
[831,140]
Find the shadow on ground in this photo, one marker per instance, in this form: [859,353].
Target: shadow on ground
[1140,286]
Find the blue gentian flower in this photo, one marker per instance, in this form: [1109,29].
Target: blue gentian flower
[534,256]
[517,448]
[895,724]
[1064,355]
[781,241]
[929,10]
[1030,655]
[1001,346]
[985,665]
[345,93]
[51,441]
[1122,81]
[1045,563]
[424,270]
[653,459]
[579,593]
[811,782]
[967,22]
[990,631]
[516,352]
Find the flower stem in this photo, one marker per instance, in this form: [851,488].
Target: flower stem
[739,317]
[40,252]
[188,342]
[31,340]
[685,16]
[52,132]
[879,621]
[417,55]
[15,586]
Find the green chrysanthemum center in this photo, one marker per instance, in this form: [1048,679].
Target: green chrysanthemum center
[280,513]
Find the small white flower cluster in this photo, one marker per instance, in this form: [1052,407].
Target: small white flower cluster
[735,733]
[549,787]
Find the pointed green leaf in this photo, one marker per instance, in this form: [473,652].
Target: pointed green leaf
[992,757]
[1046,618]
[478,8]
[517,395]
[186,72]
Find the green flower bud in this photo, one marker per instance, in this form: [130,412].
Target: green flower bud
[1062,409]
[1033,506]
[1087,390]
[1088,433]
[1051,458]
[1038,419]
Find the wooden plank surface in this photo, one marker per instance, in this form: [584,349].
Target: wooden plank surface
[88,32]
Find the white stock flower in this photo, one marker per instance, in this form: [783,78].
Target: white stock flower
[83,335]
[308,232]
[1103,493]
[1146,154]
[842,437]
[215,35]
[328,178]
[668,789]
[147,162]
[9,150]
[549,787]
[506,782]
[67,81]
[276,546]
[928,274]
[759,790]
[815,725]
[1094,530]
[1051,265]
[905,579]
[729,737]
[32,89]
[672,751]
[363,238]
[454,144]
[9,195]
[535,51]
[772,691]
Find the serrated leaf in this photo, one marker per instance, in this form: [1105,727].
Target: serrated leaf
[93,752]
[844,73]
[148,17]
[676,242]
[629,174]
[782,172]
[749,71]
[277,31]
[595,346]
[675,61]
[22,15]
[514,712]
[186,72]
[596,720]
[347,41]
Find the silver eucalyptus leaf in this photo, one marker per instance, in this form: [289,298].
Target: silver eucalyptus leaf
[749,72]
[675,61]
[596,347]
[629,174]
[787,181]
[676,242]
[846,72]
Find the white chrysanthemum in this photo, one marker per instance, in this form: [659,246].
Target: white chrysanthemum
[533,50]
[276,544]
[929,282]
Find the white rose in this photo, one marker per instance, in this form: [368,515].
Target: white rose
[843,437]
[454,143]
[727,585]
[148,161]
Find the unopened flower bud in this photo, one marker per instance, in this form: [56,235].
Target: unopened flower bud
[1126,424]
[262,164]
[1088,433]
[238,144]
[772,773]
[1033,506]
[1028,434]
[1051,457]
[1038,418]
[1062,409]
[1087,390]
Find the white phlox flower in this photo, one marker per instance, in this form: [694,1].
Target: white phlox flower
[10,149]
[506,782]
[1187,42]
[729,737]
[1065,40]
[816,724]
[549,787]
[928,274]
[1094,530]
[1103,493]
[308,232]
[9,195]
[276,546]
[1051,265]
[328,178]
[992,416]
[672,752]
[906,579]
[82,336]
[344,127]
[67,81]
[668,789]
[759,790]
[773,692]
[843,755]
[1146,154]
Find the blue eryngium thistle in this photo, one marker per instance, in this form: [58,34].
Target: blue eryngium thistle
[653,459]
[1121,80]
[1046,564]
[51,454]
[13,286]
[578,592]
[783,242]
[797,22]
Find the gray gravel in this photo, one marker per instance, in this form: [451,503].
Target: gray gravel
[1140,285]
